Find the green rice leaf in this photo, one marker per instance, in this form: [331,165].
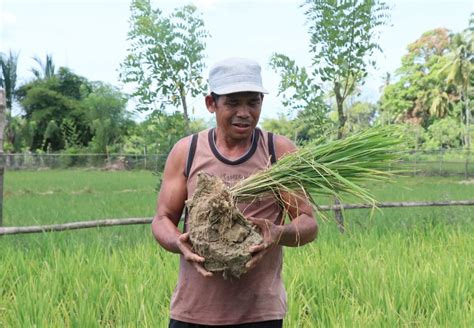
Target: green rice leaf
[333,168]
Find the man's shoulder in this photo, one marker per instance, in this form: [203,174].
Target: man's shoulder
[185,141]
[275,135]
[282,144]
[182,146]
[182,143]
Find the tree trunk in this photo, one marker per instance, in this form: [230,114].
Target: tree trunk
[3,123]
[185,111]
[338,214]
[340,110]
[468,134]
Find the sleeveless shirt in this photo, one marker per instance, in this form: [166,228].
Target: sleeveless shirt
[259,294]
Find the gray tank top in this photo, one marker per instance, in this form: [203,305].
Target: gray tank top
[259,294]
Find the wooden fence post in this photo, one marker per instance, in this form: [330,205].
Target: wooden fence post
[3,123]
[339,215]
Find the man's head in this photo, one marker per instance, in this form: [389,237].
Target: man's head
[236,95]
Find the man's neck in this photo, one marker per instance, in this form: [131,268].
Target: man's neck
[232,148]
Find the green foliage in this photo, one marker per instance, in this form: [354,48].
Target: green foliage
[281,125]
[342,42]
[106,112]
[343,38]
[432,87]
[421,94]
[360,116]
[414,135]
[56,99]
[299,89]
[165,130]
[19,134]
[461,73]
[67,110]
[306,126]
[158,134]
[70,133]
[52,132]
[8,76]
[47,69]
[165,56]
[444,134]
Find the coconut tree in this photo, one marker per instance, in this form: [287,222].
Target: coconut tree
[47,69]
[8,65]
[460,74]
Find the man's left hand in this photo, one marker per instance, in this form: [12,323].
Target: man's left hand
[271,234]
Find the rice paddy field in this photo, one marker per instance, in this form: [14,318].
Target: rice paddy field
[406,267]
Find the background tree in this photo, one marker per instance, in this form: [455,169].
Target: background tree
[281,125]
[8,76]
[360,115]
[343,41]
[46,69]
[420,95]
[107,116]
[432,85]
[158,133]
[55,106]
[303,96]
[461,75]
[165,57]
[444,134]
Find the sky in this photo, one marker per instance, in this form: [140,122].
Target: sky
[90,36]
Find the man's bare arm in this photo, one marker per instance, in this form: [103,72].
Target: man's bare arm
[170,205]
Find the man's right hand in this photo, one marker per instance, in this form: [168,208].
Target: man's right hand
[196,260]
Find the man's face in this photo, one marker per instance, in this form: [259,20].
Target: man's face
[237,114]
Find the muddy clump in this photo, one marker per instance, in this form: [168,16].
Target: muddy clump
[218,230]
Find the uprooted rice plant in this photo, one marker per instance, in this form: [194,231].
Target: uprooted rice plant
[220,233]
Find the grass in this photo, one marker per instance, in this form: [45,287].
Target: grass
[65,196]
[400,267]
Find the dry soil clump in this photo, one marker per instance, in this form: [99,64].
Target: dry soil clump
[218,230]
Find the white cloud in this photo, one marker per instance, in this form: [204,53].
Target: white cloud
[206,3]
[212,3]
[7,18]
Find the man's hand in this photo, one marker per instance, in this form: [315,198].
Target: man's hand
[271,234]
[184,246]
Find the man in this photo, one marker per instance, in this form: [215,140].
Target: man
[233,150]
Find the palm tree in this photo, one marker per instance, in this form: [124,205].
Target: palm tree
[8,65]
[47,69]
[459,75]
[439,103]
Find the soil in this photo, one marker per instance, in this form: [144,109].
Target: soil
[218,230]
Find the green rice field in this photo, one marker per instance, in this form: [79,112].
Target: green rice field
[406,267]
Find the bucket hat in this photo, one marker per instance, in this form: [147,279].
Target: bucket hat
[233,75]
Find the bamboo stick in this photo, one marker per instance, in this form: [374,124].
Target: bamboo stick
[400,204]
[130,221]
[72,226]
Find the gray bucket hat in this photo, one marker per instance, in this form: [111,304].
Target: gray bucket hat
[233,75]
